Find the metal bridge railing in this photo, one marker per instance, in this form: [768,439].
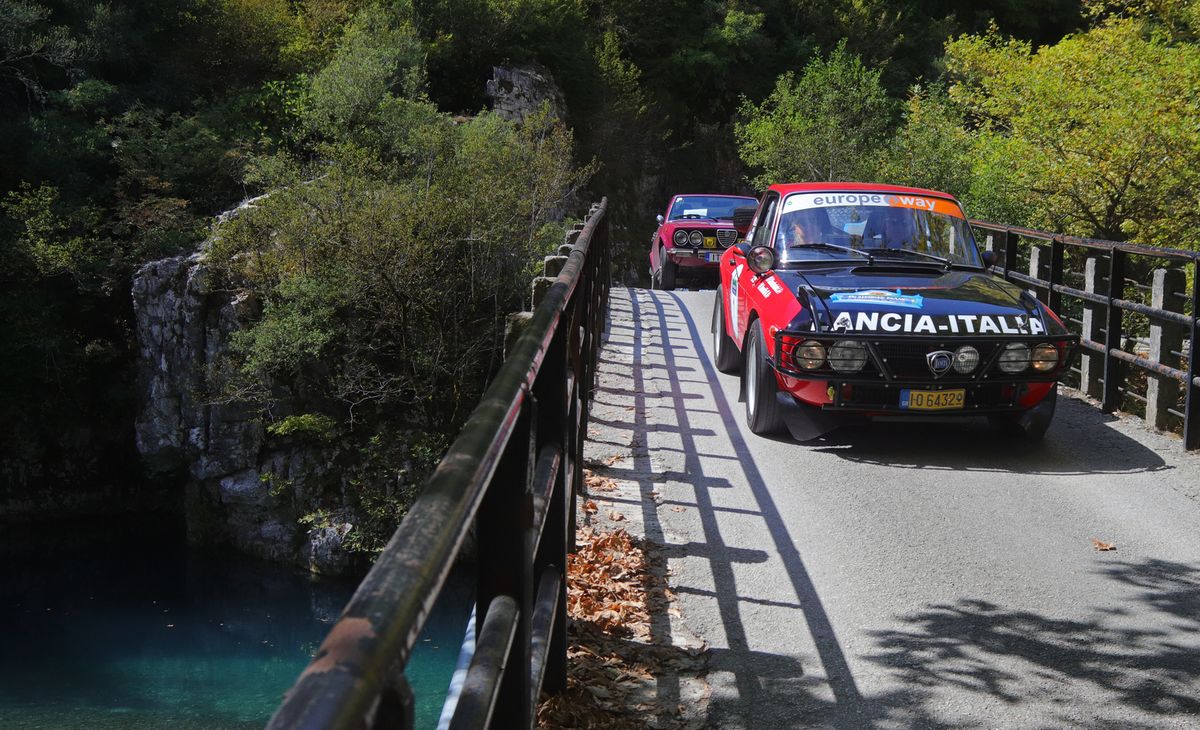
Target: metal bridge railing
[1109,273]
[511,475]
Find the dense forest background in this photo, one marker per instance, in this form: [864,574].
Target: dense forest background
[125,127]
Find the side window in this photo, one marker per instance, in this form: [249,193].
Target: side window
[762,225]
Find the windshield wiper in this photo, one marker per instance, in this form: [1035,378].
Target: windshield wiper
[833,247]
[909,252]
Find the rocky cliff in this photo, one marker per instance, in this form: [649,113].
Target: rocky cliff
[518,91]
[233,471]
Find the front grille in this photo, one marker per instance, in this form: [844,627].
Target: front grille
[906,360]
[726,237]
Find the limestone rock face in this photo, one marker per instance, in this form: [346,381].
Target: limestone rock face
[243,489]
[518,91]
[182,328]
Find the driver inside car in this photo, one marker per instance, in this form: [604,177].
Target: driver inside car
[804,227]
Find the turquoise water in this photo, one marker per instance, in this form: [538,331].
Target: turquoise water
[127,628]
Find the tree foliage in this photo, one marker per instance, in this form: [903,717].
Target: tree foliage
[1099,134]
[825,125]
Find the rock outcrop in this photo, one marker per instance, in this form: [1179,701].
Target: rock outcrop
[518,91]
[243,488]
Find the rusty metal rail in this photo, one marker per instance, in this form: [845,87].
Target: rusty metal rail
[511,476]
[1107,266]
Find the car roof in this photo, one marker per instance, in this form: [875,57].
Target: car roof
[813,187]
[711,195]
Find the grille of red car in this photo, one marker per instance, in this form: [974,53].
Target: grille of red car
[726,237]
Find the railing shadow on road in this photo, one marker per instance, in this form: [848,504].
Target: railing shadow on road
[1127,653]
[765,688]
[940,645]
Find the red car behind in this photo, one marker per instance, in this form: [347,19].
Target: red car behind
[692,235]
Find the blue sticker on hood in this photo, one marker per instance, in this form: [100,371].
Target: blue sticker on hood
[878,296]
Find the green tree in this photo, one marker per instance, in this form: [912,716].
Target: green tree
[826,125]
[1098,135]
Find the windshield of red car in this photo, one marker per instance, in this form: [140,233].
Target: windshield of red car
[886,225]
[707,206]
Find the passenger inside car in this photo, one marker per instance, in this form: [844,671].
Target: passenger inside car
[891,228]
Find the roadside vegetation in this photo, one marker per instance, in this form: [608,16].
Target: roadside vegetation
[403,219]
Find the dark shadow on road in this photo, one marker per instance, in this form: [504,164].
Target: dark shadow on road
[963,645]
[1077,443]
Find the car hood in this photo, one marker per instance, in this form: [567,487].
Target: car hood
[919,300]
[703,223]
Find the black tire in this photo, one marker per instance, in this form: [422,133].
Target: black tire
[1031,424]
[666,271]
[763,414]
[725,354]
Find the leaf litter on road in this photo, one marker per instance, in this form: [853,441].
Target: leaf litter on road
[618,604]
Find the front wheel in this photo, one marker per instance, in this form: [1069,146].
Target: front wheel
[725,354]
[762,407]
[666,271]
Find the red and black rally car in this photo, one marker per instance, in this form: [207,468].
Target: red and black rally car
[692,235]
[850,300]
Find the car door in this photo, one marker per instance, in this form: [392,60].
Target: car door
[744,295]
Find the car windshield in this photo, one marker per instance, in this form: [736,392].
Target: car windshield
[707,206]
[913,228]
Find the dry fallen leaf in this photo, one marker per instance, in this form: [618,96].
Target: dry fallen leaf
[677,508]
[615,516]
[614,459]
[1103,546]
[590,506]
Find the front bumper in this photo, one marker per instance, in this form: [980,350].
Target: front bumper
[896,366]
[708,257]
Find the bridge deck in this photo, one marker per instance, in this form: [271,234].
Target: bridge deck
[900,574]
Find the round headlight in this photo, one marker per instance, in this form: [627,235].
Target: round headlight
[966,359]
[697,238]
[1015,357]
[1045,357]
[847,356]
[809,355]
[680,237]
[760,259]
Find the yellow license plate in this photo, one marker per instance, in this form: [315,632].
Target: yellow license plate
[932,400]
[710,242]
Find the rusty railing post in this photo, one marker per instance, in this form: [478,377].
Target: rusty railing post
[505,568]
[1191,419]
[1054,298]
[1010,252]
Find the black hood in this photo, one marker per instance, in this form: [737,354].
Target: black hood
[953,302]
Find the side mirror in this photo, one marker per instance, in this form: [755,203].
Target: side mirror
[989,259]
[761,259]
[659,218]
[742,217]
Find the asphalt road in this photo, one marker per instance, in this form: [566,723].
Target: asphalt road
[905,574]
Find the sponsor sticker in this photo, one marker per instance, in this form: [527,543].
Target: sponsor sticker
[801,201]
[952,324]
[733,301]
[878,296]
